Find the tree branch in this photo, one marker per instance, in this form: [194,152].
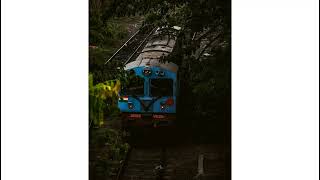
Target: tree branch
[207,45]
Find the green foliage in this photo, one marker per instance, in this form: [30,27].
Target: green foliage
[101,31]
[103,97]
[102,100]
[106,34]
[152,18]
[113,140]
[112,151]
[97,56]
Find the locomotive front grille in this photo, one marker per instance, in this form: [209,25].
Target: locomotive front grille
[148,107]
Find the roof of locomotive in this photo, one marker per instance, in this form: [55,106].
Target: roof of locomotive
[160,44]
[153,63]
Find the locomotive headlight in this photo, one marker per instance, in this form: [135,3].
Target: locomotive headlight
[162,105]
[147,71]
[161,73]
[130,105]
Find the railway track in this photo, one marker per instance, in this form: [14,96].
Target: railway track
[202,162]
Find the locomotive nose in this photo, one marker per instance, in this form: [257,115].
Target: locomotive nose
[148,105]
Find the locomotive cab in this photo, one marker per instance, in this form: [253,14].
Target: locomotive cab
[151,97]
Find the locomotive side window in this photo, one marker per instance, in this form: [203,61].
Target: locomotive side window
[135,87]
[161,87]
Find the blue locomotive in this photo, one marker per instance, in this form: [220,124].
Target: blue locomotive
[152,98]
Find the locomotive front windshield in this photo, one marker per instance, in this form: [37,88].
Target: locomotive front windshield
[161,87]
[135,87]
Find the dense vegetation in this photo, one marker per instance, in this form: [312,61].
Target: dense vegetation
[102,101]
[107,146]
[108,150]
[103,98]
[202,51]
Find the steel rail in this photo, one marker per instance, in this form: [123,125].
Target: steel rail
[123,164]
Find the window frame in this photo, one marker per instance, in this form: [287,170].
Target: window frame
[131,94]
[172,86]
